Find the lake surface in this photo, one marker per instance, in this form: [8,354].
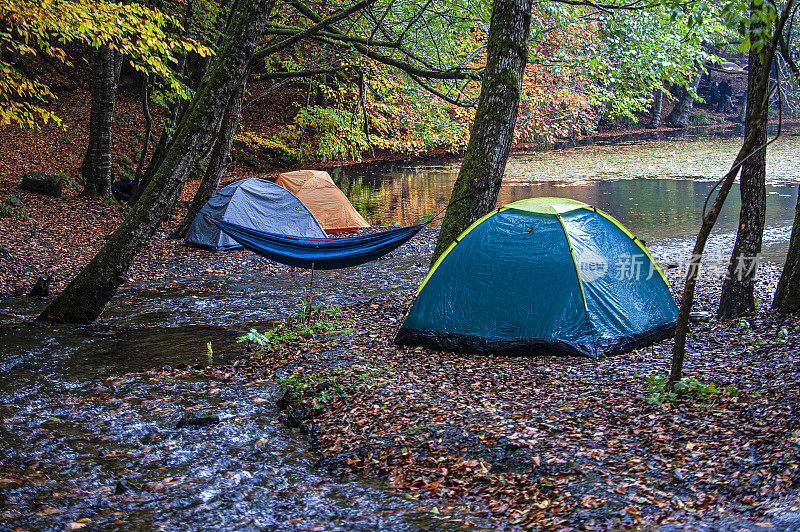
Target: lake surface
[656,188]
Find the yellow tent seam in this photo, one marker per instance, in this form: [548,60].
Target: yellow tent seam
[637,241]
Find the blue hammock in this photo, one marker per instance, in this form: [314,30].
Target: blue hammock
[318,253]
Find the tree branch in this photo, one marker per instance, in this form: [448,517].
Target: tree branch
[367,51]
[261,54]
[440,94]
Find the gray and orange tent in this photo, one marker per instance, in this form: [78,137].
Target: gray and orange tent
[323,198]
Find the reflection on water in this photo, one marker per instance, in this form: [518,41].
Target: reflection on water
[657,189]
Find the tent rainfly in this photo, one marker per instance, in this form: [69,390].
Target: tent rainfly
[542,276]
[320,194]
[255,203]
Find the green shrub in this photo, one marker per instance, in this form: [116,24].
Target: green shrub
[70,183]
[317,390]
[337,135]
[685,389]
[11,207]
[701,118]
[308,321]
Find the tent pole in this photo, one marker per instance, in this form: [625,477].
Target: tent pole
[309,299]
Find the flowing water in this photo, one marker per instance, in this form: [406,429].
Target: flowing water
[89,415]
[93,431]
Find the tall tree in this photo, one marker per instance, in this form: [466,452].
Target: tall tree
[218,160]
[655,109]
[478,182]
[96,166]
[173,111]
[679,115]
[43,27]
[353,38]
[787,295]
[87,294]
[766,42]
[738,290]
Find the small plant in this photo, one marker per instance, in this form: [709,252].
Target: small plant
[254,337]
[11,207]
[731,391]
[317,390]
[782,335]
[686,389]
[69,182]
[699,118]
[695,389]
[316,317]
[309,320]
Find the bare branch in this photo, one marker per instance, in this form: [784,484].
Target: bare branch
[442,95]
[261,54]
[368,51]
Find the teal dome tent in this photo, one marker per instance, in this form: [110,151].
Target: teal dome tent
[542,276]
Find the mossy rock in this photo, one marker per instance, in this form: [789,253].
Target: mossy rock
[41,183]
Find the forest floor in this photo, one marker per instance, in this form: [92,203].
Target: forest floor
[560,443]
[525,442]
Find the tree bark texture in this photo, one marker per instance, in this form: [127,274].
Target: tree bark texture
[87,294]
[750,143]
[655,109]
[787,295]
[96,166]
[218,161]
[679,116]
[738,290]
[475,190]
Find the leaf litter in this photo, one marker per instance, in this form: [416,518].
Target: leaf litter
[557,443]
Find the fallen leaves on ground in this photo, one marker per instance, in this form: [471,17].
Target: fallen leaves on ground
[551,443]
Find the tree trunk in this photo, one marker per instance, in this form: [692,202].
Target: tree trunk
[655,109]
[475,190]
[163,144]
[738,290]
[220,157]
[679,116]
[148,128]
[787,295]
[750,143]
[96,166]
[87,294]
